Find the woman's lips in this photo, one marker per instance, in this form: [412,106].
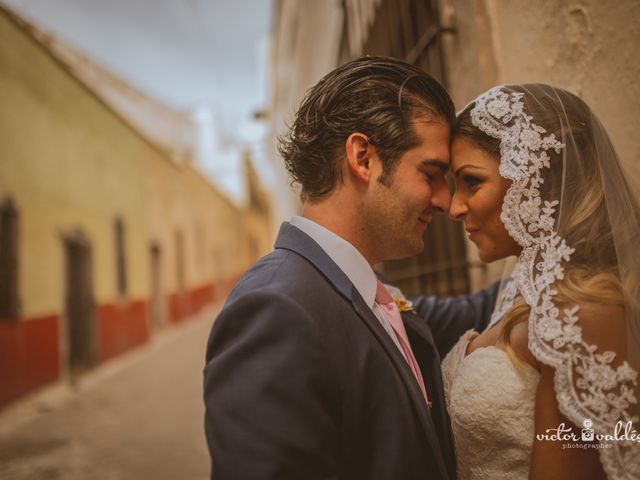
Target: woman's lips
[471,231]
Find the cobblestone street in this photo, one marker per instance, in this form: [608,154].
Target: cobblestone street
[137,417]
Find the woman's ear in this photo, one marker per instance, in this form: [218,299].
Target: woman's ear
[359,153]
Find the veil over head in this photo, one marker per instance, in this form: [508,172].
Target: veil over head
[573,207]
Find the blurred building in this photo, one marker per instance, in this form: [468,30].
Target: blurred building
[107,230]
[588,47]
[257,213]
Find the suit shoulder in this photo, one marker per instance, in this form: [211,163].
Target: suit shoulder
[281,271]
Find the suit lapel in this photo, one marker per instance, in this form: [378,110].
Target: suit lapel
[428,358]
[406,374]
[293,239]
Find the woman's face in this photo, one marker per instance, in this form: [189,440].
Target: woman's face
[478,198]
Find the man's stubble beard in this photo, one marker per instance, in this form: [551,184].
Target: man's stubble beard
[389,227]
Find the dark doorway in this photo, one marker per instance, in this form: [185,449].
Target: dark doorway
[180,263]
[157,305]
[80,304]
[9,300]
[121,259]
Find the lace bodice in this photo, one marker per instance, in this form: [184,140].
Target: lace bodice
[491,405]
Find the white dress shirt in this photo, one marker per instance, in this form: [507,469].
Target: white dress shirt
[352,263]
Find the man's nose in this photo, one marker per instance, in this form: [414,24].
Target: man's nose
[441,198]
[458,209]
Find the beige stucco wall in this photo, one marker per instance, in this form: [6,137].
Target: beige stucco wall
[589,47]
[69,162]
[178,198]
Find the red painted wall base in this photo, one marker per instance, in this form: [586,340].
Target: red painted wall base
[183,305]
[29,355]
[122,327]
[30,347]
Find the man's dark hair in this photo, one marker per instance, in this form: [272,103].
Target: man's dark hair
[377,96]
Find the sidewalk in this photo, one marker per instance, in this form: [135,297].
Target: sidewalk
[139,416]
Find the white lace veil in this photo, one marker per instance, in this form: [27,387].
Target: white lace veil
[574,208]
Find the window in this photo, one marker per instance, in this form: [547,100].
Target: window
[180,267]
[121,260]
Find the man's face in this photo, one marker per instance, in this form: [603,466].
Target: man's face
[396,215]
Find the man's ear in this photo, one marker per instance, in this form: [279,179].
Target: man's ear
[359,153]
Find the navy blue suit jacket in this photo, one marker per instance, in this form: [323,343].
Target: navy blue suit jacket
[302,382]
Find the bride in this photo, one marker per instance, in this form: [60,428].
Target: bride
[543,390]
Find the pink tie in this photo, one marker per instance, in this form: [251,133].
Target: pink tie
[390,309]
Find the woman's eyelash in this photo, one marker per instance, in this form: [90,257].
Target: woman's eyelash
[472,180]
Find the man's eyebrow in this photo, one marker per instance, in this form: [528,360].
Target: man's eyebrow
[468,165]
[444,166]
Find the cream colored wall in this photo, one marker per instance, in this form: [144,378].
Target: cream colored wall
[69,162]
[62,163]
[589,47]
[178,198]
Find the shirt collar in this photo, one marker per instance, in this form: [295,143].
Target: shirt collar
[345,255]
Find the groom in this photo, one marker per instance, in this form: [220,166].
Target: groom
[311,371]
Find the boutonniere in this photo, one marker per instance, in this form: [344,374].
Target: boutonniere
[403,304]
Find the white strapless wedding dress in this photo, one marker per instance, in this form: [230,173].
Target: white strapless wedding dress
[491,404]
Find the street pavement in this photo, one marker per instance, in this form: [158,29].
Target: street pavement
[137,417]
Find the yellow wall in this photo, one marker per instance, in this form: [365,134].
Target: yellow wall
[179,198]
[69,162]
